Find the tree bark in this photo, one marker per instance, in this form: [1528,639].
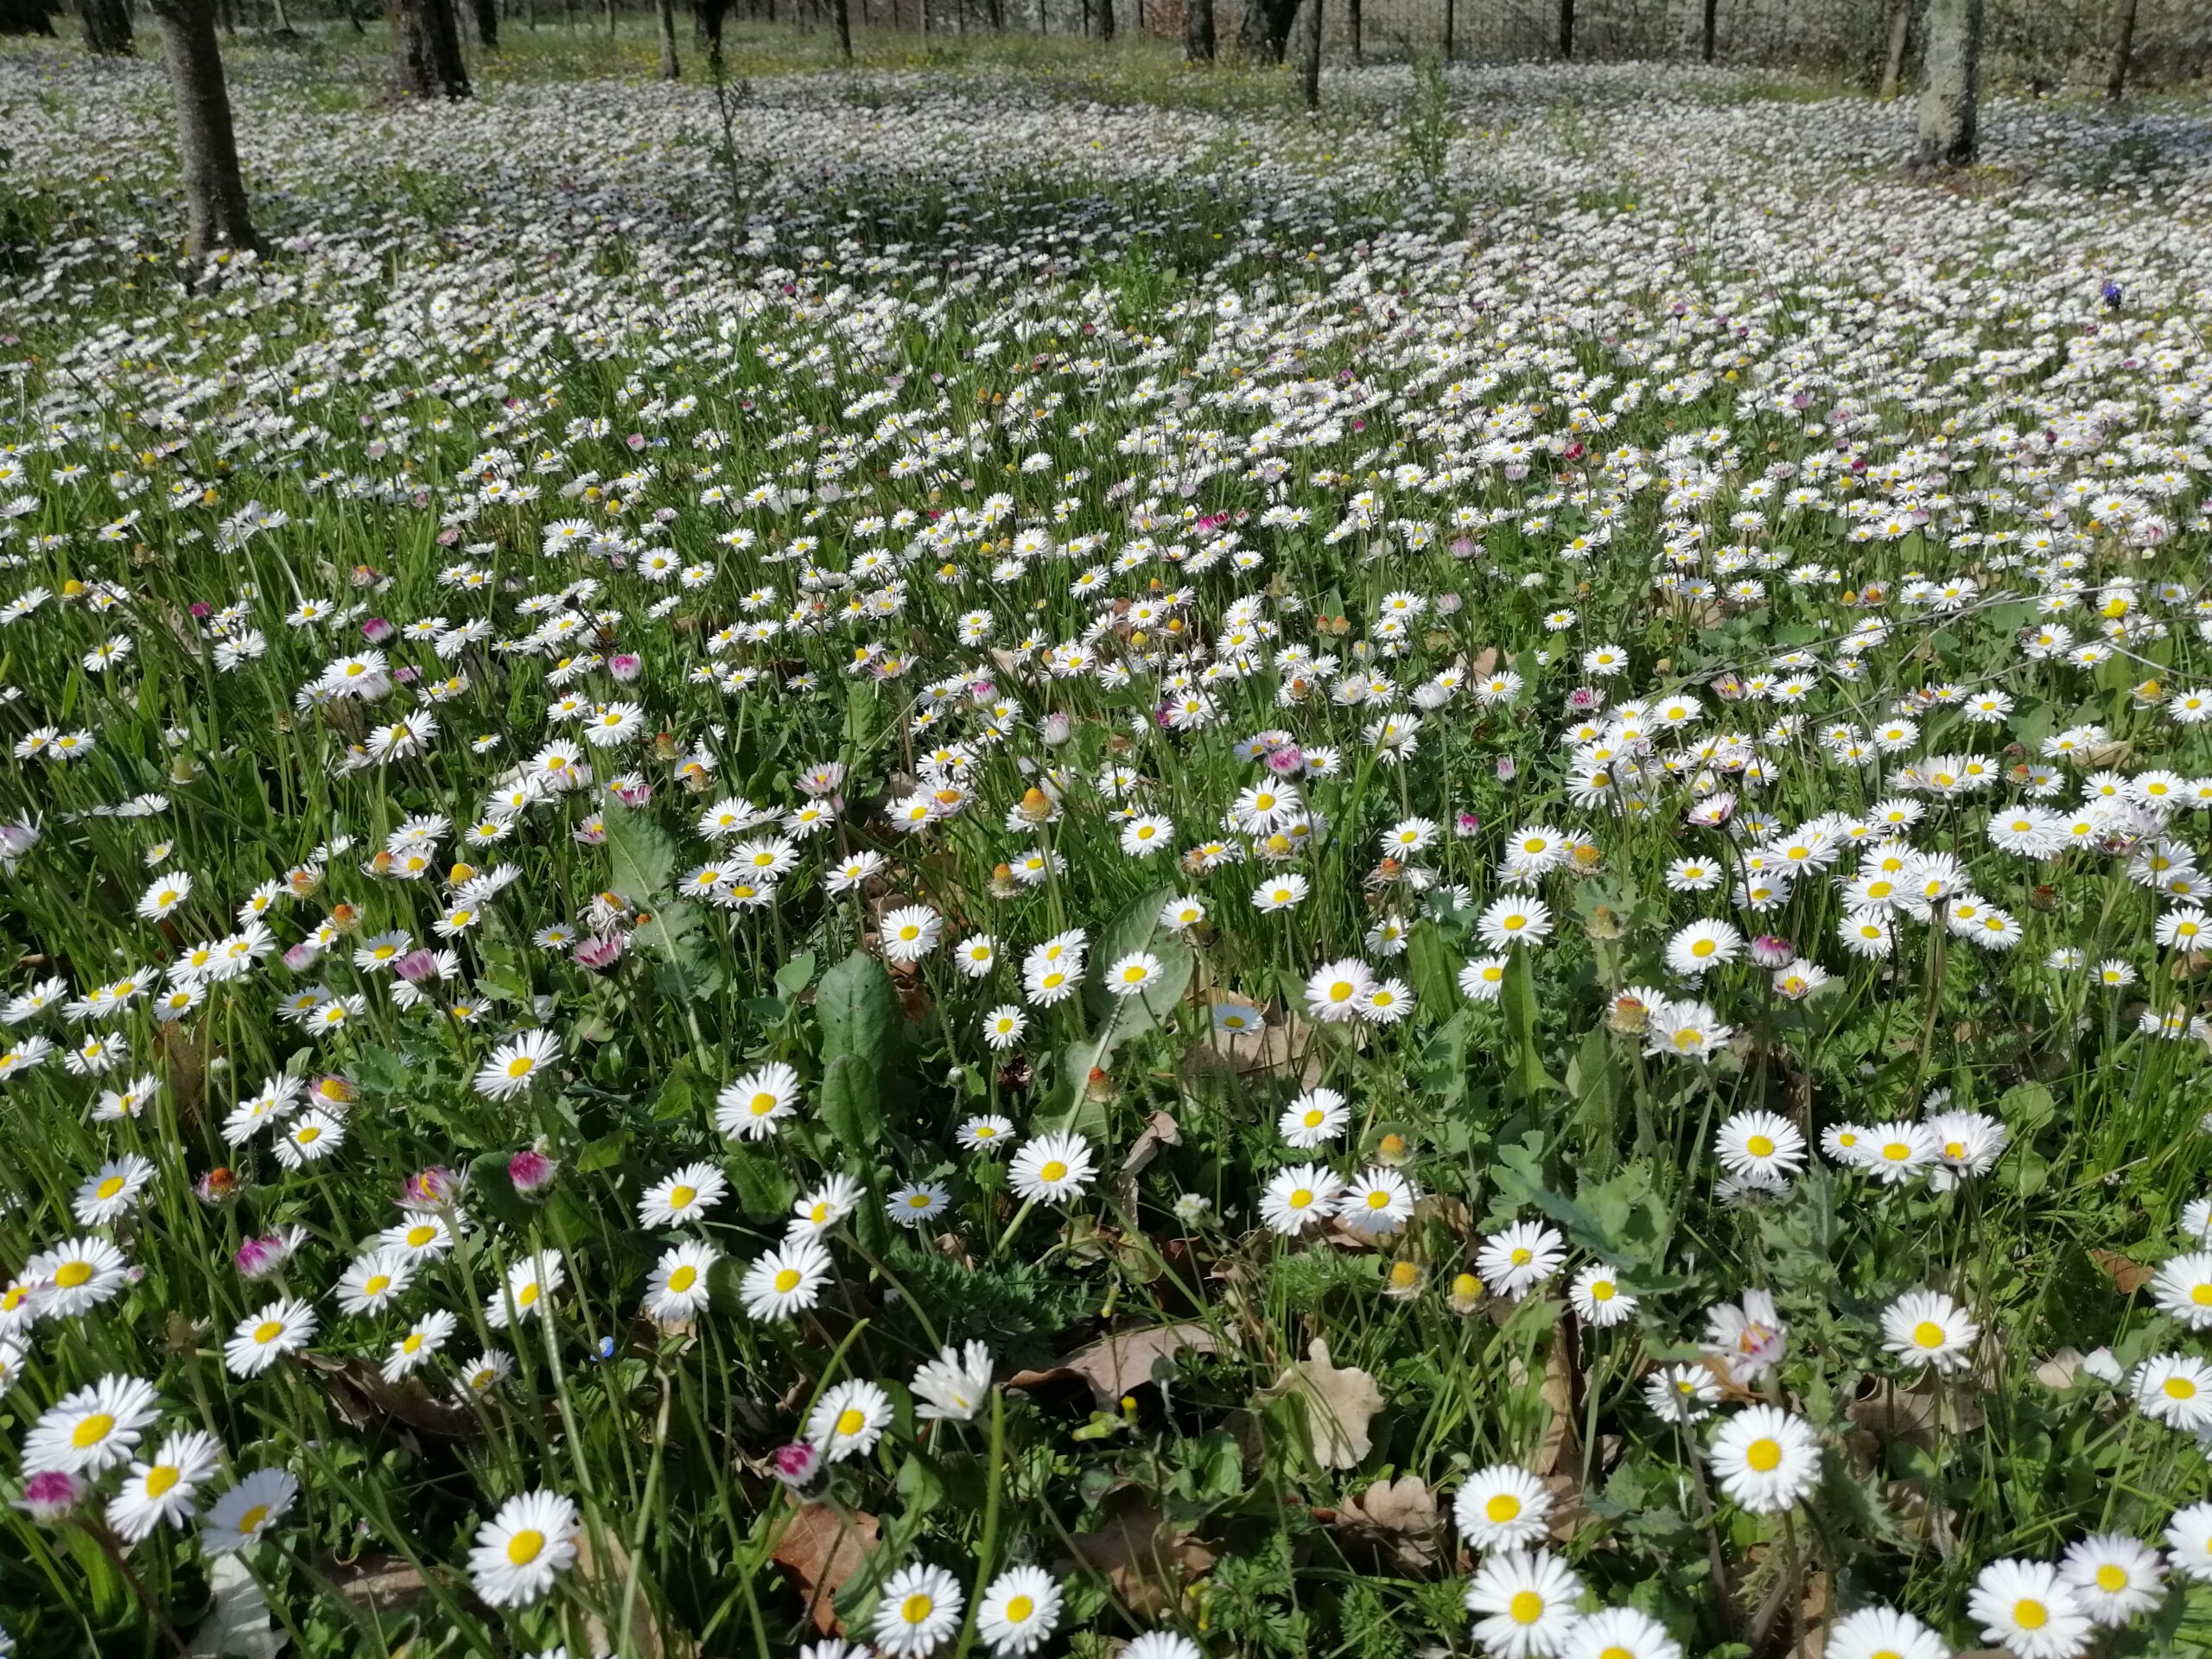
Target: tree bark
[1893,53]
[486,15]
[284,18]
[26,16]
[1450,17]
[2123,47]
[1567,28]
[426,48]
[1351,18]
[671,67]
[1265,29]
[1197,31]
[1310,56]
[1711,27]
[1951,88]
[107,27]
[214,195]
[1105,22]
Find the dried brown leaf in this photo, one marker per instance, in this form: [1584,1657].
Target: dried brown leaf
[1340,1403]
[1122,1360]
[1561,1444]
[822,1549]
[1161,1131]
[2131,1276]
[1398,1519]
[1144,1556]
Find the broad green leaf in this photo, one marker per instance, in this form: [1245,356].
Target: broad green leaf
[641,856]
[1120,1018]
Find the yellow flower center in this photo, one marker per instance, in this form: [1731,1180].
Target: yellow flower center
[520,1065]
[94,1429]
[70,1274]
[1928,1334]
[851,1420]
[268,1330]
[681,1198]
[1055,1170]
[110,1186]
[376,1284]
[2030,1615]
[1503,1508]
[525,1547]
[683,1278]
[1526,1607]
[2112,1580]
[250,1522]
[916,1608]
[161,1478]
[1759,1147]
[1018,1611]
[2180,1387]
[1764,1455]
[787,1282]
[527,1297]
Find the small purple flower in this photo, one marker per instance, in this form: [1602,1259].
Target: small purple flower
[1768,951]
[635,441]
[797,1463]
[531,1171]
[1584,699]
[625,665]
[376,630]
[2114,295]
[1466,826]
[50,1495]
[1508,769]
[1286,761]
[259,1257]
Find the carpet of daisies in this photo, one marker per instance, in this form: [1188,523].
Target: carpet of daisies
[964,871]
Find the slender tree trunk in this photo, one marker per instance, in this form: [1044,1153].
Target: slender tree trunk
[671,67]
[1043,25]
[426,48]
[2123,47]
[1567,28]
[214,194]
[607,7]
[1265,29]
[485,14]
[1893,51]
[1105,22]
[27,17]
[1450,17]
[1310,56]
[107,27]
[281,18]
[1951,87]
[1351,18]
[1711,27]
[1197,31]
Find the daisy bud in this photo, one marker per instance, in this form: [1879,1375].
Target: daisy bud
[1770,952]
[376,630]
[1053,730]
[417,966]
[50,1495]
[1466,826]
[532,1172]
[217,1185]
[625,666]
[301,956]
[435,1188]
[797,1464]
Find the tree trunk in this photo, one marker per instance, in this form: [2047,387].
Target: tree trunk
[1105,22]
[1450,17]
[107,27]
[26,16]
[671,67]
[1351,17]
[1711,27]
[214,194]
[2123,47]
[1265,29]
[282,18]
[1567,28]
[1310,56]
[1197,31]
[1951,87]
[486,15]
[426,48]
[845,25]
[709,14]
[1893,53]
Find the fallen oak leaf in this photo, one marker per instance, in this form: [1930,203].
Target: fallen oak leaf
[1399,1519]
[1340,1404]
[2129,1276]
[821,1549]
[1145,1558]
[1122,1360]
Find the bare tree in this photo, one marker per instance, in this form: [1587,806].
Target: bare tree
[215,216]
[1951,89]
[1310,56]
[1105,20]
[845,25]
[1893,55]
[1567,28]
[1711,27]
[2123,48]
[107,27]
[1451,18]
[1197,31]
[1351,18]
